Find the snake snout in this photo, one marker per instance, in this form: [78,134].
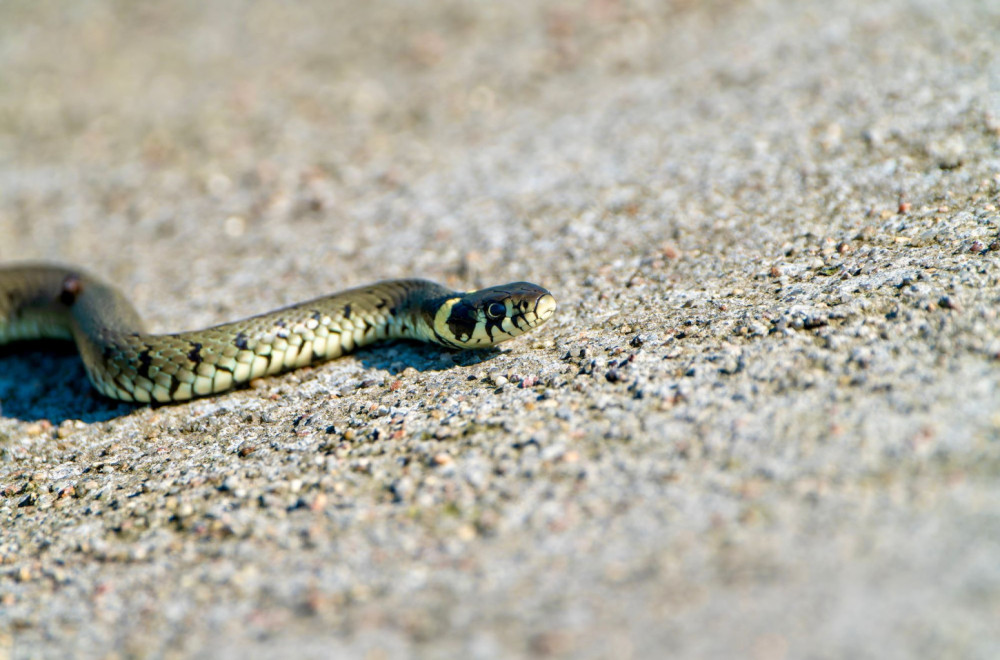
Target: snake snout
[545,308]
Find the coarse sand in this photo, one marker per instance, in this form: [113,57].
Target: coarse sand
[763,423]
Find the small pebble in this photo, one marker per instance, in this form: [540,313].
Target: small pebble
[442,458]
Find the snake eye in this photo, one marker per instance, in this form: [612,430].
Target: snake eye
[496,311]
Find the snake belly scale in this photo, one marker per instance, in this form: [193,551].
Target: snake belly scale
[41,301]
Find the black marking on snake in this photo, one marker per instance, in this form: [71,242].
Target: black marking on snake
[281,323]
[145,362]
[347,311]
[195,353]
[461,321]
[72,287]
[380,304]
[241,341]
[445,342]
[489,325]
[317,316]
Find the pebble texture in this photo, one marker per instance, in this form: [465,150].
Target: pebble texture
[763,423]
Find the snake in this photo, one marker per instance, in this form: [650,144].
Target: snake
[48,301]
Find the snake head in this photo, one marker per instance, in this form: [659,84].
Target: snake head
[481,319]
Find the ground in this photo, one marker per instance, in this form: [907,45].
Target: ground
[762,424]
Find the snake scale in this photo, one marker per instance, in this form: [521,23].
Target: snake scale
[41,301]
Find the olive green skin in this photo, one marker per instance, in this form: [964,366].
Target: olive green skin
[122,361]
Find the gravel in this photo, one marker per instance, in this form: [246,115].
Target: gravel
[762,423]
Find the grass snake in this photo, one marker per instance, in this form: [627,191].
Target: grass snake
[122,361]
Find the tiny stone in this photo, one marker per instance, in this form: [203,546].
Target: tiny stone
[442,458]
[401,489]
[948,303]
[319,502]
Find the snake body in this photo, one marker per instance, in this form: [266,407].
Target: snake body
[122,361]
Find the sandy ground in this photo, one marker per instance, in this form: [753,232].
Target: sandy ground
[763,423]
